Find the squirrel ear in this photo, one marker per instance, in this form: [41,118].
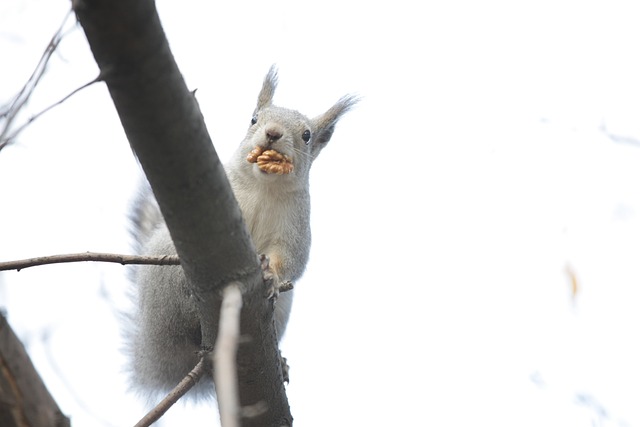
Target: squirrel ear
[268,88]
[325,124]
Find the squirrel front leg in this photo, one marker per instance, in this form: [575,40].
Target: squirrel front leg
[282,265]
[273,275]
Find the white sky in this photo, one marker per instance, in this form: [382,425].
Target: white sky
[446,211]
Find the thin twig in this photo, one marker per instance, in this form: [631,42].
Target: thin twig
[180,390]
[6,140]
[224,372]
[25,93]
[619,138]
[90,256]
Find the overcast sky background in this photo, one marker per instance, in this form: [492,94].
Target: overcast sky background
[450,211]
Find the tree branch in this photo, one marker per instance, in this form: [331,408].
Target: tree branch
[180,390]
[165,128]
[224,357]
[10,112]
[6,140]
[618,138]
[24,399]
[90,256]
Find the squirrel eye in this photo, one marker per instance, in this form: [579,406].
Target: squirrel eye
[254,119]
[306,136]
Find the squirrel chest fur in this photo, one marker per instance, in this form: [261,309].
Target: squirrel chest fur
[269,175]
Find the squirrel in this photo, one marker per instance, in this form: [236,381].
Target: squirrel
[269,176]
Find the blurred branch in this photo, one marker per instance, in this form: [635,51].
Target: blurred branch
[180,390]
[6,140]
[225,371]
[10,111]
[24,399]
[90,256]
[618,138]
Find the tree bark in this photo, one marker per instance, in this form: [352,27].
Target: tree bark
[165,128]
[24,399]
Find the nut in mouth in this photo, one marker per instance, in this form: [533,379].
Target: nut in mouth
[271,161]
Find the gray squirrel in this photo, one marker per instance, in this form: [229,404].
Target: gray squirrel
[269,175]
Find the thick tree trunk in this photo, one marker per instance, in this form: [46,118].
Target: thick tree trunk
[24,399]
[166,130]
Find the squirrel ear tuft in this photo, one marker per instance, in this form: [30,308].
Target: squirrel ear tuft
[325,124]
[268,88]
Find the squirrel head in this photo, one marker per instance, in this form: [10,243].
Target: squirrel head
[296,139]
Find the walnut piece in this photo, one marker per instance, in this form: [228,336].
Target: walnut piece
[270,161]
[253,154]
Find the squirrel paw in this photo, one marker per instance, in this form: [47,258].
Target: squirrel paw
[285,369]
[274,286]
[269,277]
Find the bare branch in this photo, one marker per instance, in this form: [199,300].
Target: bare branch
[180,390]
[90,256]
[4,141]
[225,371]
[618,138]
[19,101]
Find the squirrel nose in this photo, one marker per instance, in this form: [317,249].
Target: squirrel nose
[273,134]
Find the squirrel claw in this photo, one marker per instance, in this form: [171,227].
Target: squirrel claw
[267,272]
[269,278]
[264,261]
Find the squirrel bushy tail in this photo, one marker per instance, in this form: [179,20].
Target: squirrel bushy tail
[144,217]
